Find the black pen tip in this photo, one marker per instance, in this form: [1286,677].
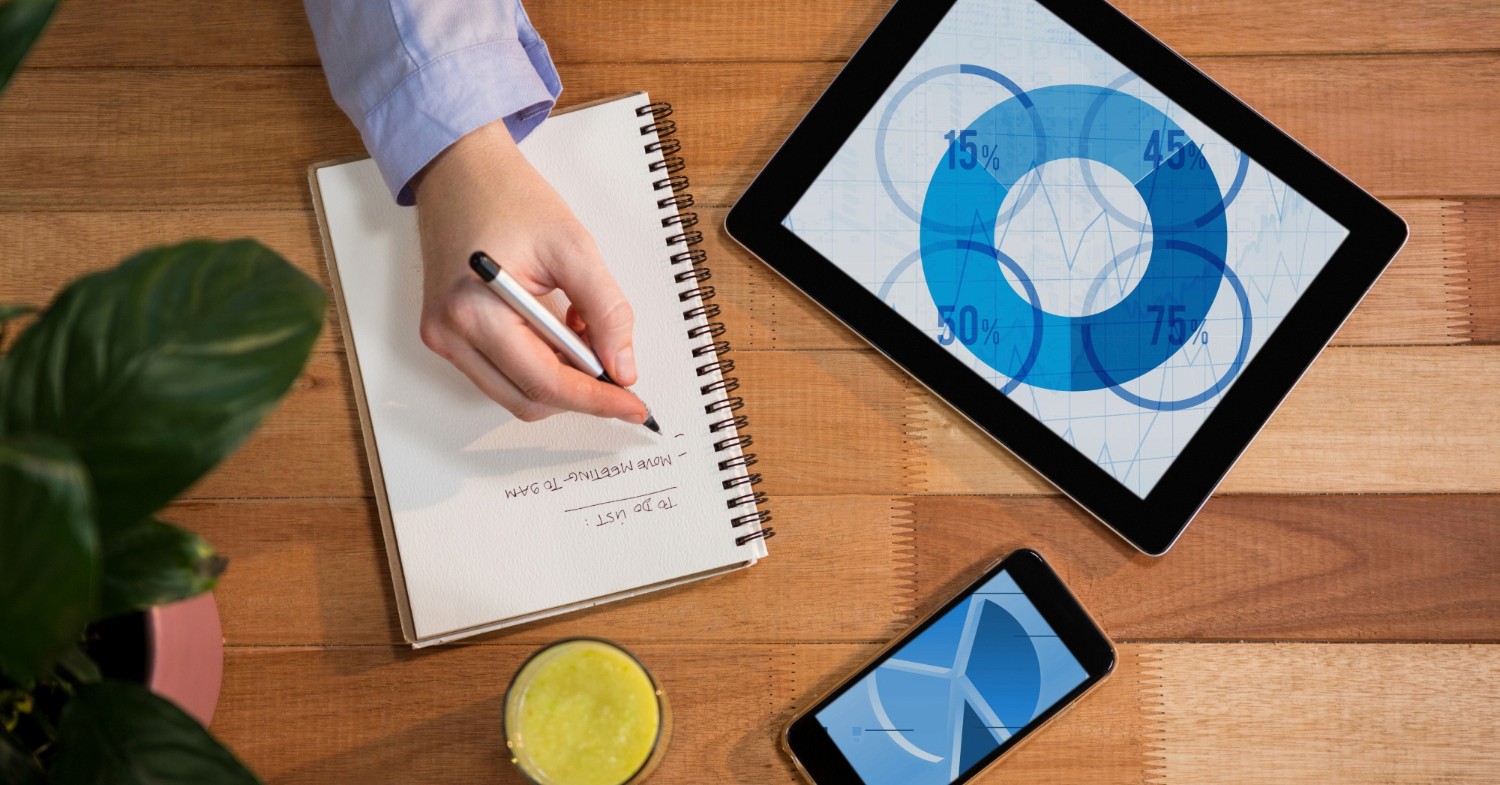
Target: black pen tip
[481,263]
[651,423]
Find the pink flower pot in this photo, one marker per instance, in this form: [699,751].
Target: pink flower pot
[185,654]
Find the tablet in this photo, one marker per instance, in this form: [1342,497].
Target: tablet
[1075,238]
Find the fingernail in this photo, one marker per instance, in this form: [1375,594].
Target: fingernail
[625,366]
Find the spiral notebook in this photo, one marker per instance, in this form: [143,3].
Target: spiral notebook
[490,521]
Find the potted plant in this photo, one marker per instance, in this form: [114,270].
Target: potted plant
[129,387]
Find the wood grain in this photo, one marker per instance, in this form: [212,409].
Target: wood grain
[1285,714]
[1176,713]
[1440,290]
[1382,568]
[1363,420]
[52,248]
[148,122]
[166,33]
[1481,225]
[1352,568]
[332,549]
[383,715]
[242,138]
[388,715]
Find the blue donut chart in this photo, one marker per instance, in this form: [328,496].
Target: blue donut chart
[920,79]
[1189,238]
[1242,169]
[1247,329]
[1016,270]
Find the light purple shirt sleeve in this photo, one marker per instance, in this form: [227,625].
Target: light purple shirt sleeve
[415,75]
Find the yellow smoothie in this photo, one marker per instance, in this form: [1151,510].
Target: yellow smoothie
[582,712]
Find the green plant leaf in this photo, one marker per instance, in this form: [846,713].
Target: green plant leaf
[21,23]
[151,563]
[74,662]
[122,734]
[49,555]
[10,311]
[156,370]
[17,765]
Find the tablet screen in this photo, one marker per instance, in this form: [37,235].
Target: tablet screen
[1099,255]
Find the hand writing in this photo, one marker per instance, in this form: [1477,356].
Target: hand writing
[482,194]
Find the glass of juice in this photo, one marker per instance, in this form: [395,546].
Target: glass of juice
[584,711]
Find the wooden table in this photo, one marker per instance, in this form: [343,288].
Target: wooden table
[1331,617]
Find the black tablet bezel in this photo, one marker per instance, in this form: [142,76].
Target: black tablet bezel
[813,750]
[1154,523]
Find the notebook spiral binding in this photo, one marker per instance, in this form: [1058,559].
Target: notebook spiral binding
[687,263]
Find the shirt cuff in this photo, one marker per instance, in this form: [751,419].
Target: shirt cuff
[452,95]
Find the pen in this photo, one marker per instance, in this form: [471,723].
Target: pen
[557,334]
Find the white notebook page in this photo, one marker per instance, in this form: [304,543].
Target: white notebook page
[496,518]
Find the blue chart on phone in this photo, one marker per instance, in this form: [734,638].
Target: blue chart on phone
[1085,245]
[952,695]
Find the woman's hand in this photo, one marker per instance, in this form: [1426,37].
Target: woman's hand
[482,195]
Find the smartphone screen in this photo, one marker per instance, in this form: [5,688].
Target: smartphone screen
[941,704]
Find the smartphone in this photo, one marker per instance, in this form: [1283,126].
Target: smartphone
[961,688]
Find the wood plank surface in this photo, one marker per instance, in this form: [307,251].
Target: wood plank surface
[1294,714]
[383,715]
[1481,226]
[242,138]
[333,548]
[1381,567]
[1322,568]
[1362,420]
[1363,520]
[1172,713]
[387,715]
[275,32]
[1440,290]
